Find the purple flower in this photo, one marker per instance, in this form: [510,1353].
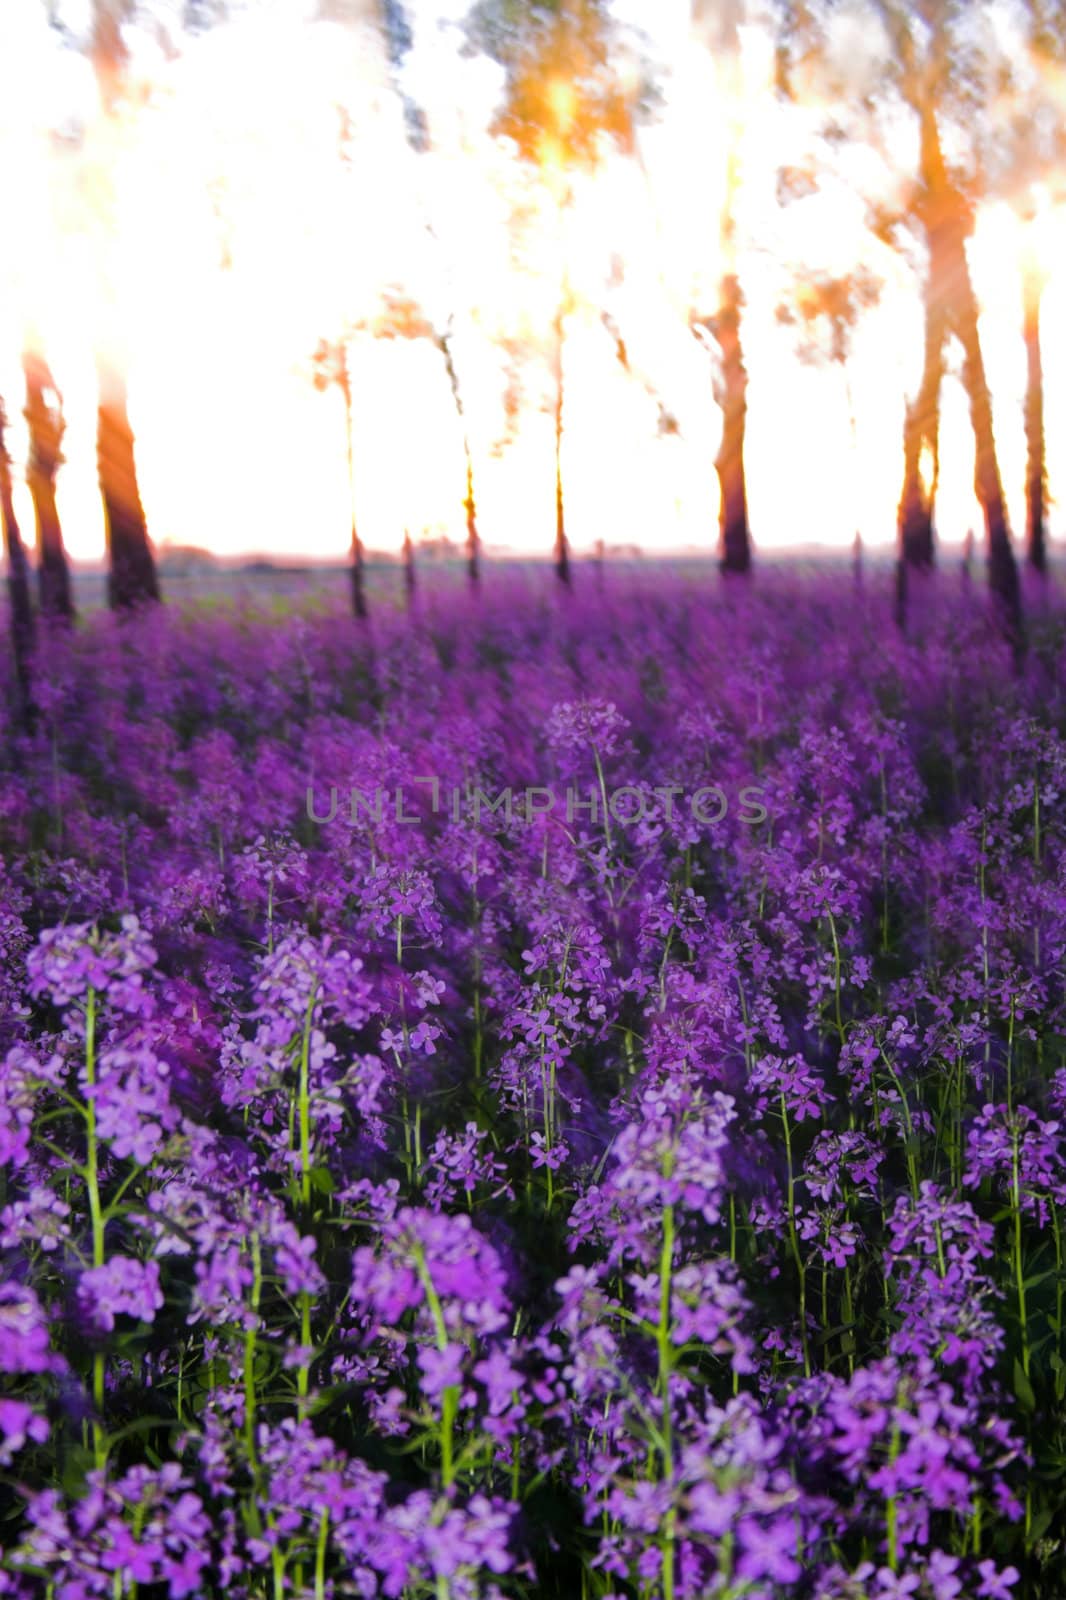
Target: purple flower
[996,1585]
[19,1423]
[24,1330]
[440,1369]
[69,961]
[123,1285]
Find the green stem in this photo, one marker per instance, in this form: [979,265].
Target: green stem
[303,1372]
[1019,1271]
[96,1216]
[801,1269]
[666,1355]
[249,1353]
[891,1509]
[912,1167]
[320,1554]
[450,1397]
[603,798]
[836,974]
[305,1102]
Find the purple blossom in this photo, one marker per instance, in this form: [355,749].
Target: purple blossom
[123,1285]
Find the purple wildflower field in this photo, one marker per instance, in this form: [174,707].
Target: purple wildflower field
[453,1198]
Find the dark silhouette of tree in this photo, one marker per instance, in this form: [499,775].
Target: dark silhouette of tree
[44,417]
[18,588]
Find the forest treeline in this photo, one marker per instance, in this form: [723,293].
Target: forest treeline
[976,86]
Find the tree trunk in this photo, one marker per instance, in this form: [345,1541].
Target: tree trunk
[473,543]
[562,546]
[899,605]
[409,578]
[921,430]
[132,579]
[344,381]
[1002,568]
[18,589]
[734,535]
[947,223]
[1036,466]
[47,427]
[358,577]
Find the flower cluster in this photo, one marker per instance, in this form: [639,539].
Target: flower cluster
[454,1205]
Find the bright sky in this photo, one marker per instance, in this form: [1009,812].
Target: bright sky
[214,235]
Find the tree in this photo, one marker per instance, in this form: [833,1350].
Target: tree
[719,23]
[942,70]
[473,540]
[399,41]
[947,219]
[825,309]
[132,578]
[44,417]
[563,97]
[18,587]
[1025,167]
[1034,278]
[332,366]
[410,579]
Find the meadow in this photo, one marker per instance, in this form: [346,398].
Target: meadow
[650,1191]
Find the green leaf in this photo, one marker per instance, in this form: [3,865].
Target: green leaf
[1039,1524]
[1023,1389]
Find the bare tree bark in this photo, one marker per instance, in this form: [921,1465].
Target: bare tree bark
[18,589]
[44,419]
